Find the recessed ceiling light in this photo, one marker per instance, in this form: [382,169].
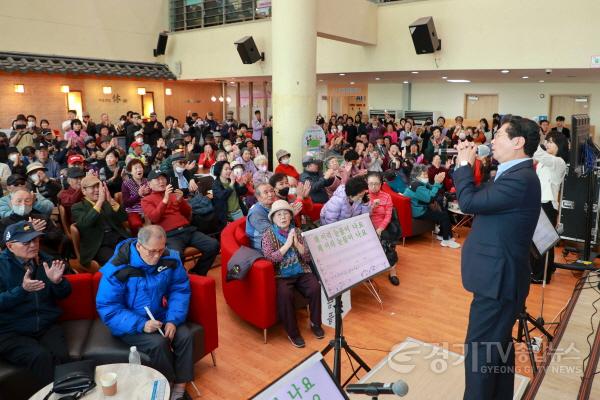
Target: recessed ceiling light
[525,77]
[378,78]
[405,82]
[414,72]
[505,71]
[320,80]
[458,81]
[352,83]
[232,82]
[541,81]
[342,74]
[444,77]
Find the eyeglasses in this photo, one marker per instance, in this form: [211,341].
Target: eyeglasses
[154,252]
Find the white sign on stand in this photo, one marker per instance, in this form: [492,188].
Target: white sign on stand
[327,310]
[346,253]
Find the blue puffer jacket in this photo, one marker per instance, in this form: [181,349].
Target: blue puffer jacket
[128,284]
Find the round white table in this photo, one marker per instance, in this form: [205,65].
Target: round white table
[133,382]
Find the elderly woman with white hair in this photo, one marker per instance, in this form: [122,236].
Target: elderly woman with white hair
[262,175]
[423,204]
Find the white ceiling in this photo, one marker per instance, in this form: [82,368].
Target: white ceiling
[583,75]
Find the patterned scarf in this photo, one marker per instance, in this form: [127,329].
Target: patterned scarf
[290,266]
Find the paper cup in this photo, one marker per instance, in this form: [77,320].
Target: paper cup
[108,382]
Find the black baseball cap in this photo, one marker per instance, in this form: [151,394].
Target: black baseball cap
[15,180]
[22,231]
[156,173]
[75,172]
[41,146]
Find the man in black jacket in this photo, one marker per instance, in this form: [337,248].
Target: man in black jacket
[152,130]
[30,284]
[318,181]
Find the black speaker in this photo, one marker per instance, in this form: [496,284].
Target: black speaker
[248,51]
[424,36]
[572,212]
[161,46]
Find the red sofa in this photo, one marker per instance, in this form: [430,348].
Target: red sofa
[410,226]
[253,298]
[88,338]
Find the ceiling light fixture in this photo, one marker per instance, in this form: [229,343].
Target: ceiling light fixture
[64,88]
[377,78]
[107,89]
[19,88]
[458,81]
[541,81]
[168,91]
[342,74]
[444,77]
[141,91]
[405,82]
[213,98]
[414,72]
[352,83]
[505,71]
[524,77]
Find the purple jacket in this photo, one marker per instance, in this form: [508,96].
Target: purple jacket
[338,207]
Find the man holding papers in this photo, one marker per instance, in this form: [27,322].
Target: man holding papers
[145,293]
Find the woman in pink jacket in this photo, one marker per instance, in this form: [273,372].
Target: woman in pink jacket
[386,227]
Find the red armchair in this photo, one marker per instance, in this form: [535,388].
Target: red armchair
[410,226]
[253,298]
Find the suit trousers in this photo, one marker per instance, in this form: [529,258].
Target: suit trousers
[308,286]
[489,348]
[191,237]
[39,353]
[174,359]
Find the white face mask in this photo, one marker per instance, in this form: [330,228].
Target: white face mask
[238,172]
[179,170]
[263,168]
[292,190]
[35,178]
[139,140]
[462,136]
[30,124]
[22,209]
[424,180]
[13,157]
[340,128]
[228,148]
[285,161]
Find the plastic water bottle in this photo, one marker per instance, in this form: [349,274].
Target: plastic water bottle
[134,358]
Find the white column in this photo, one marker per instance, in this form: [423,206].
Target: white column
[294,92]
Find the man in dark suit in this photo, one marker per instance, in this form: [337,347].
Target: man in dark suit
[99,219]
[495,258]
[560,127]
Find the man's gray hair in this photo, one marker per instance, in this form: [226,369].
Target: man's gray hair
[149,231]
[416,172]
[259,188]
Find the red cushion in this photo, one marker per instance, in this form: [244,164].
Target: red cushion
[403,208]
[80,304]
[239,234]
[203,309]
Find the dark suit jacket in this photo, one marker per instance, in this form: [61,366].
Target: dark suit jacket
[89,223]
[495,256]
